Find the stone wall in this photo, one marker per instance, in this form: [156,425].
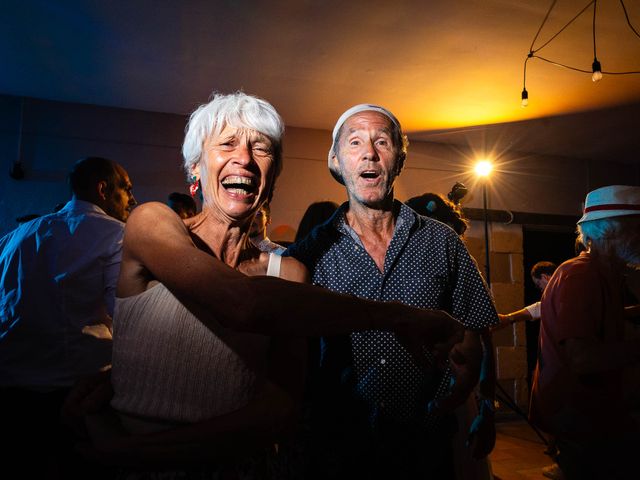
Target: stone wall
[507,286]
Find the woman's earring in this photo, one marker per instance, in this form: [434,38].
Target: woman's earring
[194,186]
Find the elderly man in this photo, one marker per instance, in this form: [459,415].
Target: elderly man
[378,411]
[58,277]
[577,392]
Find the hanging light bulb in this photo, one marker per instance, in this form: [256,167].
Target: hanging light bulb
[597,71]
[525,98]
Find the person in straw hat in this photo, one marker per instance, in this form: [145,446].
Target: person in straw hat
[577,393]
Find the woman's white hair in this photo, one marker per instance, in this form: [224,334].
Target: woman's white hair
[614,236]
[237,110]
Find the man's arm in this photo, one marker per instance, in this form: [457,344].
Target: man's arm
[522,315]
[482,434]
[473,305]
[111,268]
[465,359]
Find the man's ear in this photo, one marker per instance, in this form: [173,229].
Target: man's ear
[102,189]
[335,164]
[400,163]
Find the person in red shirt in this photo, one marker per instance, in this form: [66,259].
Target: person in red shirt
[577,392]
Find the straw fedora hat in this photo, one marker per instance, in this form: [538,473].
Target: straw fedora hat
[611,201]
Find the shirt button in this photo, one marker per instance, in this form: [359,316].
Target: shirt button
[383,361]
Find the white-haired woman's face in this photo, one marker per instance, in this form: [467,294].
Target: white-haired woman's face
[237,171]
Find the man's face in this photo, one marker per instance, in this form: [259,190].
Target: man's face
[541,282]
[367,159]
[120,201]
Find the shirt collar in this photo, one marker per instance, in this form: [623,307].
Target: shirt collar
[405,220]
[77,205]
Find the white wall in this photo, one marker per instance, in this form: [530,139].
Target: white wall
[56,134]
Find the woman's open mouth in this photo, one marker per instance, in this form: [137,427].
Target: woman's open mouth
[239,185]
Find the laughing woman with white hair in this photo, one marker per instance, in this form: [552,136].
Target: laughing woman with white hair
[207,356]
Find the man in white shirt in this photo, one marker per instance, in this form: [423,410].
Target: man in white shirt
[58,277]
[541,273]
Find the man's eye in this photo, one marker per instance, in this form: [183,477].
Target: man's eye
[355,143]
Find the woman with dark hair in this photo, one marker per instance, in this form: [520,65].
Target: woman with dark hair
[475,422]
[436,206]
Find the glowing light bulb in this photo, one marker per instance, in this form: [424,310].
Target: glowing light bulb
[525,98]
[483,168]
[597,71]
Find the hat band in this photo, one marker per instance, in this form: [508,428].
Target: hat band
[612,206]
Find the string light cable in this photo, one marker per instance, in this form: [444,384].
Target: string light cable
[596,67]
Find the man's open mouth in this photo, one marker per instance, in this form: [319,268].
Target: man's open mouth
[370,174]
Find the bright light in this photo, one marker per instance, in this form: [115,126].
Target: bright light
[483,168]
[597,71]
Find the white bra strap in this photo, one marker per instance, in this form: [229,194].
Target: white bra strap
[273,269]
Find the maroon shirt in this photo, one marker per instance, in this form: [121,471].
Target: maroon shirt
[582,300]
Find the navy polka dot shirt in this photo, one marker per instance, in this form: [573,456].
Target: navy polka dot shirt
[427,266]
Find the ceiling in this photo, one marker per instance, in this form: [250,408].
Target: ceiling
[444,67]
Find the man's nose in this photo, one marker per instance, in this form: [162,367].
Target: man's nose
[370,152]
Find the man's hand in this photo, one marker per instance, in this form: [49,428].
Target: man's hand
[464,360]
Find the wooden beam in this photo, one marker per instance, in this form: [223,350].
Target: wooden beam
[520,218]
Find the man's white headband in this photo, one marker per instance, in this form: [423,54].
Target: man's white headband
[363,107]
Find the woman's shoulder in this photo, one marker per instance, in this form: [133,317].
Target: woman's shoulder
[153,224]
[152,215]
[150,210]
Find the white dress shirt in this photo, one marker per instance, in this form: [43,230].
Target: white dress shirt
[534,310]
[58,275]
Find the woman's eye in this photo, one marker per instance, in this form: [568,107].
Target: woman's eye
[263,149]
